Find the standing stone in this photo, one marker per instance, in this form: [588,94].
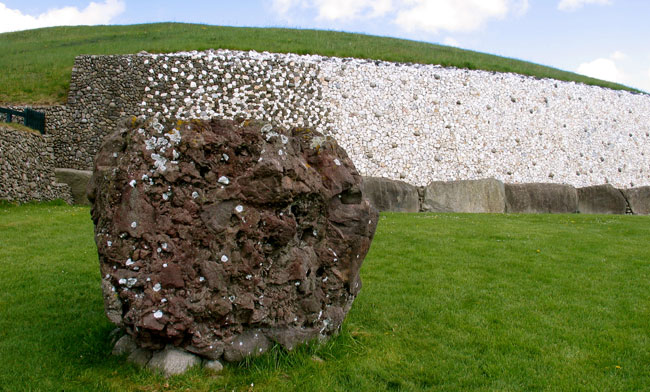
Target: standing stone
[211,232]
[465,196]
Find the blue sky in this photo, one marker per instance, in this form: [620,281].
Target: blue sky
[608,39]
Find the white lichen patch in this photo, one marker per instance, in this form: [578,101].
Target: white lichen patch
[158,314]
[159,162]
[134,224]
[156,287]
[239,209]
[224,180]
[224,258]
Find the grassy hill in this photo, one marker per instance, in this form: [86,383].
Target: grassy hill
[36,64]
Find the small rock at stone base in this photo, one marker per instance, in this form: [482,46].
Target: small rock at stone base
[140,357]
[172,361]
[214,366]
[125,345]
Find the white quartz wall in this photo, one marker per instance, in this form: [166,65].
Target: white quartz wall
[421,123]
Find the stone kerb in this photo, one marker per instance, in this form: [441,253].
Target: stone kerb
[541,198]
[638,199]
[487,196]
[77,180]
[391,195]
[601,199]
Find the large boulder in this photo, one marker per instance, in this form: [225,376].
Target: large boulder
[541,198]
[638,199]
[601,199]
[485,195]
[390,195]
[77,180]
[221,238]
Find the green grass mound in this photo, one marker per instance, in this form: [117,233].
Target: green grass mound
[36,64]
[450,302]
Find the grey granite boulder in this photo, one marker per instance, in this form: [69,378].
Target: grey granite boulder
[601,199]
[172,361]
[390,195]
[485,195]
[77,180]
[541,198]
[638,199]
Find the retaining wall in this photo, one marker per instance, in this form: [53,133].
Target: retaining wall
[417,123]
[26,167]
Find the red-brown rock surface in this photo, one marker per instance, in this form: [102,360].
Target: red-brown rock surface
[221,238]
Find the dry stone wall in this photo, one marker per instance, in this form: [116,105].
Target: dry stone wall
[26,168]
[417,123]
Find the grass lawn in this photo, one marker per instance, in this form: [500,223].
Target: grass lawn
[451,302]
[36,64]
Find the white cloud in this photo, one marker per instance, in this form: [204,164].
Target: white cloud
[521,7]
[618,68]
[348,10]
[572,5]
[429,16]
[93,14]
[450,15]
[603,68]
[283,6]
[343,10]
